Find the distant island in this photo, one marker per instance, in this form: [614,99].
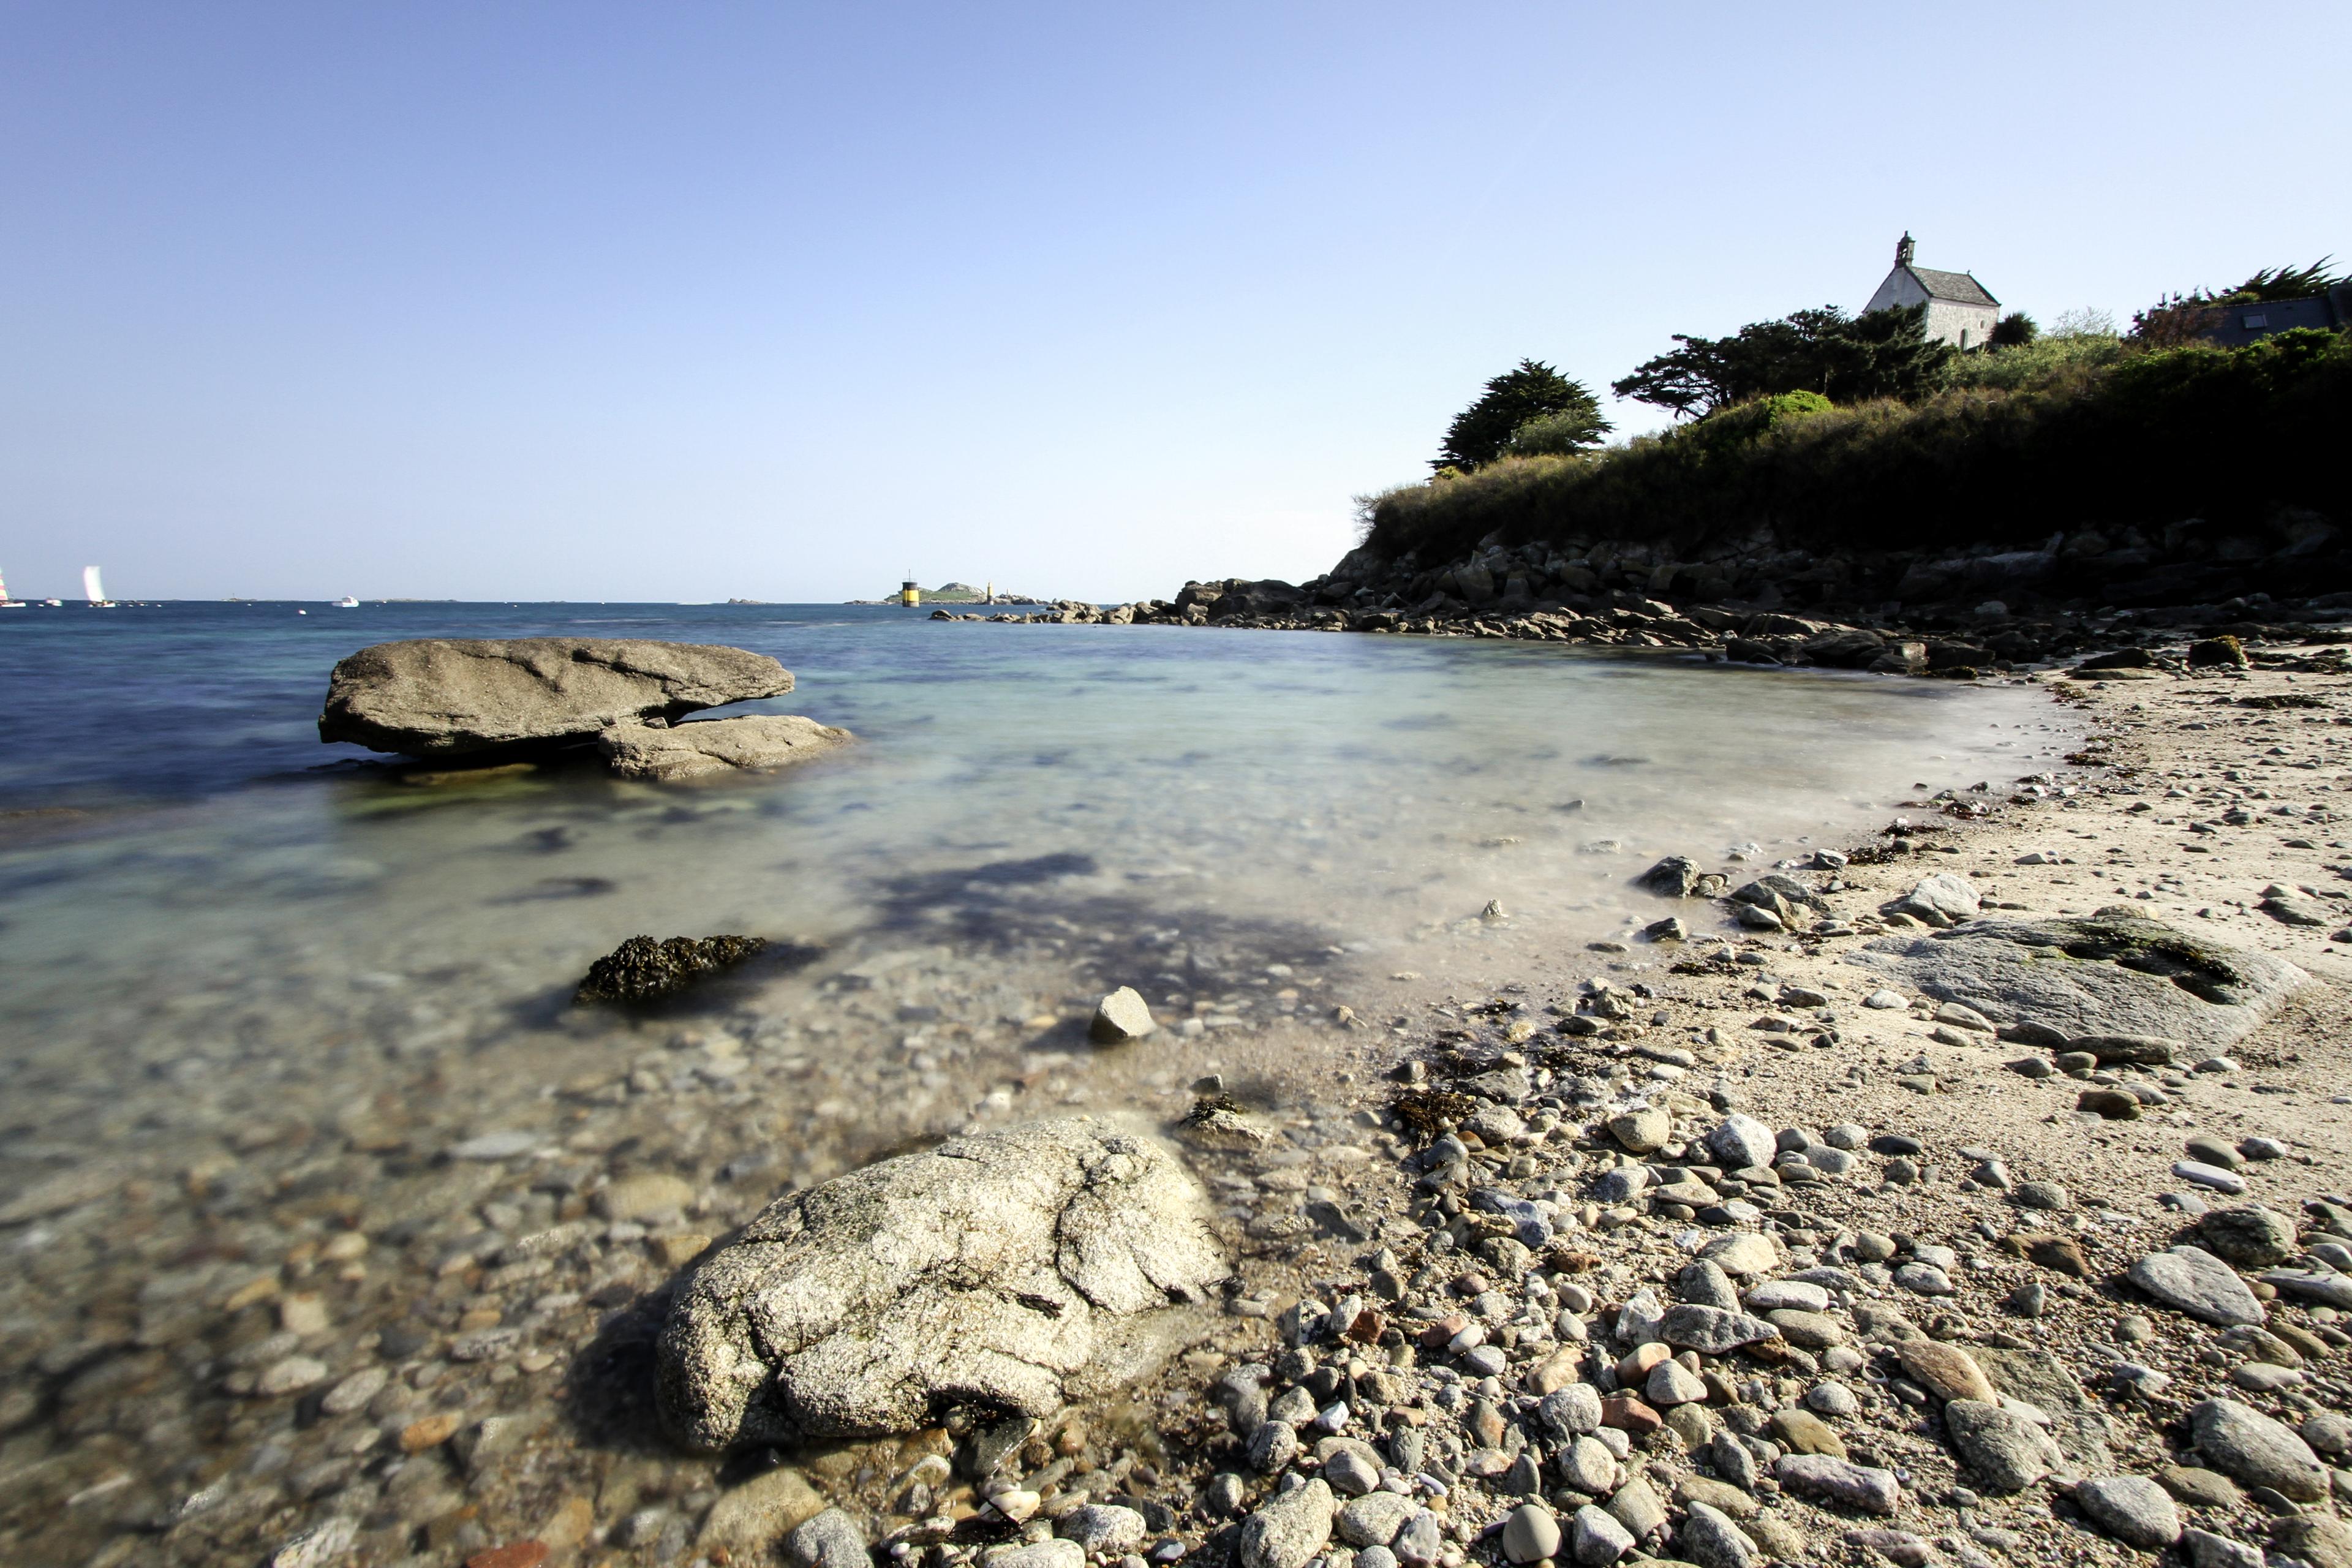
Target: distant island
[956,594]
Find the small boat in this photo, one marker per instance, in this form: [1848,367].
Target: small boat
[5,602]
[347,603]
[93,588]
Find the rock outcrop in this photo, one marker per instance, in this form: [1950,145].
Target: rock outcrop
[753,743]
[439,697]
[2112,972]
[1015,1270]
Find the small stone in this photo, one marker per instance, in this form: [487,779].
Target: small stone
[1102,1529]
[2046,1195]
[1419,1541]
[1709,1539]
[1671,1382]
[1711,1331]
[1832,1398]
[1825,1478]
[1374,1519]
[1924,1279]
[828,1540]
[1272,1446]
[1945,1370]
[1530,1533]
[748,1519]
[2132,1509]
[1743,1254]
[1288,1530]
[1586,1465]
[2006,1451]
[2314,1538]
[2198,1488]
[2208,1149]
[1350,1473]
[1639,1509]
[291,1375]
[2248,1236]
[1742,1141]
[2192,1281]
[2207,1550]
[2256,1451]
[1120,1018]
[633,1197]
[1595,1537]
[1806,1433]
[1644,1131]
[1798,1294]
[2213,1177]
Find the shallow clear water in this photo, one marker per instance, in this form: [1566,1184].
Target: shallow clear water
[259,989]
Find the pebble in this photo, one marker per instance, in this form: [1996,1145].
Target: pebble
[1823,1478]
[2190,1280]
[1530,1533]
[2255,1450]
[1709,1539]
[2132,1509]
[2007,1451]
[1290,1528]
[2213,1177]
[1596,1538]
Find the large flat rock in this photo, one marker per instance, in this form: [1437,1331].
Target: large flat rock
[2112,972]
[714,747]
[441,696]
[1018,1270]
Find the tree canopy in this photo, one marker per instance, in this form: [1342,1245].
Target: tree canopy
[1570,417]
[2180,319]
[1882,353]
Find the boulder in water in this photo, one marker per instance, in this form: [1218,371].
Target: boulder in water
[444,697]
[1017,1270]
[750,744]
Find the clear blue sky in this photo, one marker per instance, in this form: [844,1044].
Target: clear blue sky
[680,301]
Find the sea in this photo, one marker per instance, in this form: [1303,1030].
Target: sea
[289,1050]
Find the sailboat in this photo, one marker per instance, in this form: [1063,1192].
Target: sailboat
[94,589]
[5,602]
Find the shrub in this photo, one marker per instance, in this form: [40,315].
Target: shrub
[2087,431]
[2014,331]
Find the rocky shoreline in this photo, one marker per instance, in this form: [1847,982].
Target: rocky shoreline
[1704,1244]
[1761,599]
[1734,1252]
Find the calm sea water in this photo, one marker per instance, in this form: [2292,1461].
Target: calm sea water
[261,994]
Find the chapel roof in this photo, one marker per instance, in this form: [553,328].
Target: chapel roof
[1960,288]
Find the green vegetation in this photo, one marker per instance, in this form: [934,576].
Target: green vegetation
[1882,353]
[1559,415]
[2179,319]
[2014,331]
[2013,445]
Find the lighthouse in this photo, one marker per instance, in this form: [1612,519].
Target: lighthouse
[910,594]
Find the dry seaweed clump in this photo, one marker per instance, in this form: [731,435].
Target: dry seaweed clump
[2273,701]
[644,969]
[1430,1111]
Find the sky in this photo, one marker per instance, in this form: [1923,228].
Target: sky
[690,301]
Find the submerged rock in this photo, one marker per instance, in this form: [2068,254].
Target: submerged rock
[753,743]
[1018,1270]
[642,970]
[2111,974]
[441,696]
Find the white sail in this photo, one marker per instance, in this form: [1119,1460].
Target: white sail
[92,588]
